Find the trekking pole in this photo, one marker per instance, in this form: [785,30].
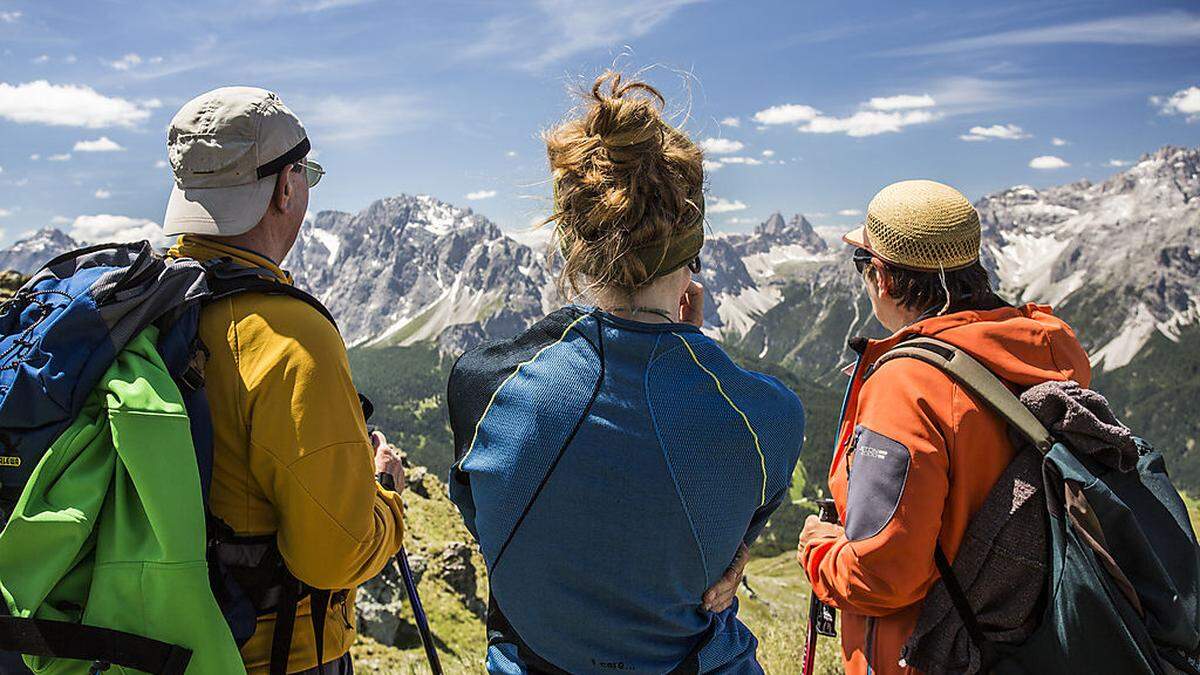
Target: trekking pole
[822,619]
[410,585]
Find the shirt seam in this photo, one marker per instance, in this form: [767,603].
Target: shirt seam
[288,467]
[670,467]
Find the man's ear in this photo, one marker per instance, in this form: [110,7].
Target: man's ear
[283,189]
[883,280]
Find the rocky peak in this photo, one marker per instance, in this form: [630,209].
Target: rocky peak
[35,250]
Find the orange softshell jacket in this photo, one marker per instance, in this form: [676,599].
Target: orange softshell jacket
[915,458]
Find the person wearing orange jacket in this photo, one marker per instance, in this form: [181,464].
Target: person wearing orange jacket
[916,454]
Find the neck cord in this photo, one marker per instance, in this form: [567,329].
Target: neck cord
[644,310]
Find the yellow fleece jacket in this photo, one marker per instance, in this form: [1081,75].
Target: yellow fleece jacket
[291,453]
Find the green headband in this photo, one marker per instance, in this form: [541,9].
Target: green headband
[659,257]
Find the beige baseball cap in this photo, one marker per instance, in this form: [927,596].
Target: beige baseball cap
[226,147]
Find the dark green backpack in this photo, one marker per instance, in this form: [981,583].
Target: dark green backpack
[1123,589]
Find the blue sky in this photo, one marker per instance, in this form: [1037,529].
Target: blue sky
[832,100]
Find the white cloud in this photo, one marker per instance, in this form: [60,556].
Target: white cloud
[1057,142]
[481,194]
[549,31]
[788,113]
[749,161]
[1046,162]
[511,153]
[70,58]
[69,105]
[731,122]
[901,102]
[768,153]
[710,165]
[59,220]
[1162,28]
[101,193]
[10,17]
[102,144]
[39,60]
[151,103]
[35,157]
[868,122]
[105,228]
[721,146]
[850,212]
[722,205]
[160,164]
[1008,132]
[60,157]
[5,212]
[1183,102]
[1117,163]
[126,62]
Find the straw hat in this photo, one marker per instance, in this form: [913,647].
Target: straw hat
[920,225]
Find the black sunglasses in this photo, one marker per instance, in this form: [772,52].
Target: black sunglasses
[694,265]
[862,258]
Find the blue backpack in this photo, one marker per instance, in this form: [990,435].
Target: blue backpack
[58,335]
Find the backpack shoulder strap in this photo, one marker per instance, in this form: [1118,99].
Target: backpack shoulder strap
[227,278]
[976,378]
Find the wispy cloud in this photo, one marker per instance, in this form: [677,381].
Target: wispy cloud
[70,105]
[722,205]
[554,30]
[1161,28]
[1006,132]
[1183,102]
[60,157]
[481,194]
[1048,162]
[731,122]
[101,193]
[1058,142]
[355,118]
[1117,163]
[10,17]
[102,144]
[126,62]
[850,212]
[768,153]
[721,146]
[711,166]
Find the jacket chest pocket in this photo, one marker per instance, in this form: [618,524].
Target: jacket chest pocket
[876,471]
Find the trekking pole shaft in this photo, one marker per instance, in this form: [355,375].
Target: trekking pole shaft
[810,639]
[410,585]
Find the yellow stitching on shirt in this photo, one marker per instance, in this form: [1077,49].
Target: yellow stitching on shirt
[496,393]
[761,458]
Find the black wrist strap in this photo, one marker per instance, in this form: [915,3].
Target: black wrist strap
[386,480]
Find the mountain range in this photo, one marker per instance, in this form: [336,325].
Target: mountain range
[413,280]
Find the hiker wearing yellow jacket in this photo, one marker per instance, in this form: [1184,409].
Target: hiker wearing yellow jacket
[292,455]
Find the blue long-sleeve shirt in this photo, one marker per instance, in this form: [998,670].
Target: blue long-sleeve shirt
[609,470]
